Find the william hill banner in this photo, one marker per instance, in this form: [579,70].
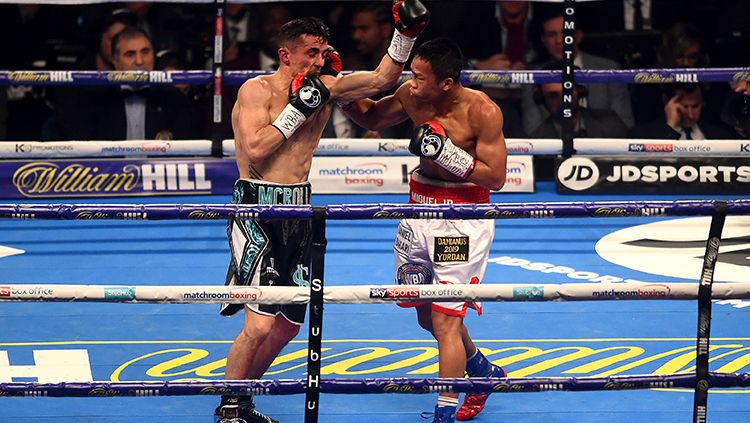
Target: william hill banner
[668,175]
[115,178]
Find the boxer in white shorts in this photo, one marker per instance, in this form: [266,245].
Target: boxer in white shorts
[442,251]
[459,138]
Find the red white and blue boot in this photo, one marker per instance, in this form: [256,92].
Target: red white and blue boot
[477,366]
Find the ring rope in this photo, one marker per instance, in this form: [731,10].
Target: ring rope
[468,77]
[50,150]
[371,211]
[369,294]
[368,386]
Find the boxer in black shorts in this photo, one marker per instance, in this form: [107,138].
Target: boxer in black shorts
[269,252]
[278,120]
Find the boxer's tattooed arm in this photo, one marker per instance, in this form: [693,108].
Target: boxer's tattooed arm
[254,172]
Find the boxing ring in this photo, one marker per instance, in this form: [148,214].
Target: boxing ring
[147,347]
[108,312]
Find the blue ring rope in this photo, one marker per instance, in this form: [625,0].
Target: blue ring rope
[469,77]
[368,386]
[370,211]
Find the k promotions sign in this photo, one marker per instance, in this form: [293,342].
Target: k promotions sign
[678,175]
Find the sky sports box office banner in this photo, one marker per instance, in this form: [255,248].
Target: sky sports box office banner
[56,178]
[656,175]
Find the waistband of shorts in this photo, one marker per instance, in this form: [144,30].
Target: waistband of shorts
[253,191]
[425,190]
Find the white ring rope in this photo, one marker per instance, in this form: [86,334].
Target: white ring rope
[158,148]
[369,294]
[368,147]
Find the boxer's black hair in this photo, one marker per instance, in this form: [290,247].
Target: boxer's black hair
[310,25]
[445,57]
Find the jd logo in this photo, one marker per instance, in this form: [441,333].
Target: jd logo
[675,248]
[578,173]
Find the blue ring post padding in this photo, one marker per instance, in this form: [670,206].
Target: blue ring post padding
[367,386]
[371,211]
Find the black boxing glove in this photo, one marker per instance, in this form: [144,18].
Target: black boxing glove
[411,18]
[333,63]
[429,140]
[307,93]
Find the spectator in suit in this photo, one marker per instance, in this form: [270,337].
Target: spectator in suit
[681,46]
[372,29]
[683,108]
[138,112]
[70,120]
[496,37]
[613,97]
[588,123]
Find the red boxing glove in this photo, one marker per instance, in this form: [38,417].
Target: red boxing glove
[333,63]
[411,17]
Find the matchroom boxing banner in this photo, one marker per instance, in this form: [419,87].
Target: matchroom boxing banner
[207,176]
[654,175]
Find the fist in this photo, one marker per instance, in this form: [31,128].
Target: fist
[307,94]
[333,63]
[411,17]
[430,141]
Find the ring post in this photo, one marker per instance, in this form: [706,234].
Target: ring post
[702,384]
[217,68]
[315,334]
[570,107]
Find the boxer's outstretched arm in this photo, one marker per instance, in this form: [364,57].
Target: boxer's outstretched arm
[410,18]
[359,85]
[376,115]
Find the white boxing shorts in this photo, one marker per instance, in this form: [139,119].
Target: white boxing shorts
[443,251]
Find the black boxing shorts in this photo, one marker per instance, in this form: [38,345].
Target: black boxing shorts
[269,252]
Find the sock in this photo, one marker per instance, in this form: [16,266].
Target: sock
[236,399]
[445,401]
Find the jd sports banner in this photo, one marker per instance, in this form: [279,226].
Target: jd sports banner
[672,175]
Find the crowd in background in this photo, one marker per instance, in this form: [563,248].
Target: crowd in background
[494,35]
